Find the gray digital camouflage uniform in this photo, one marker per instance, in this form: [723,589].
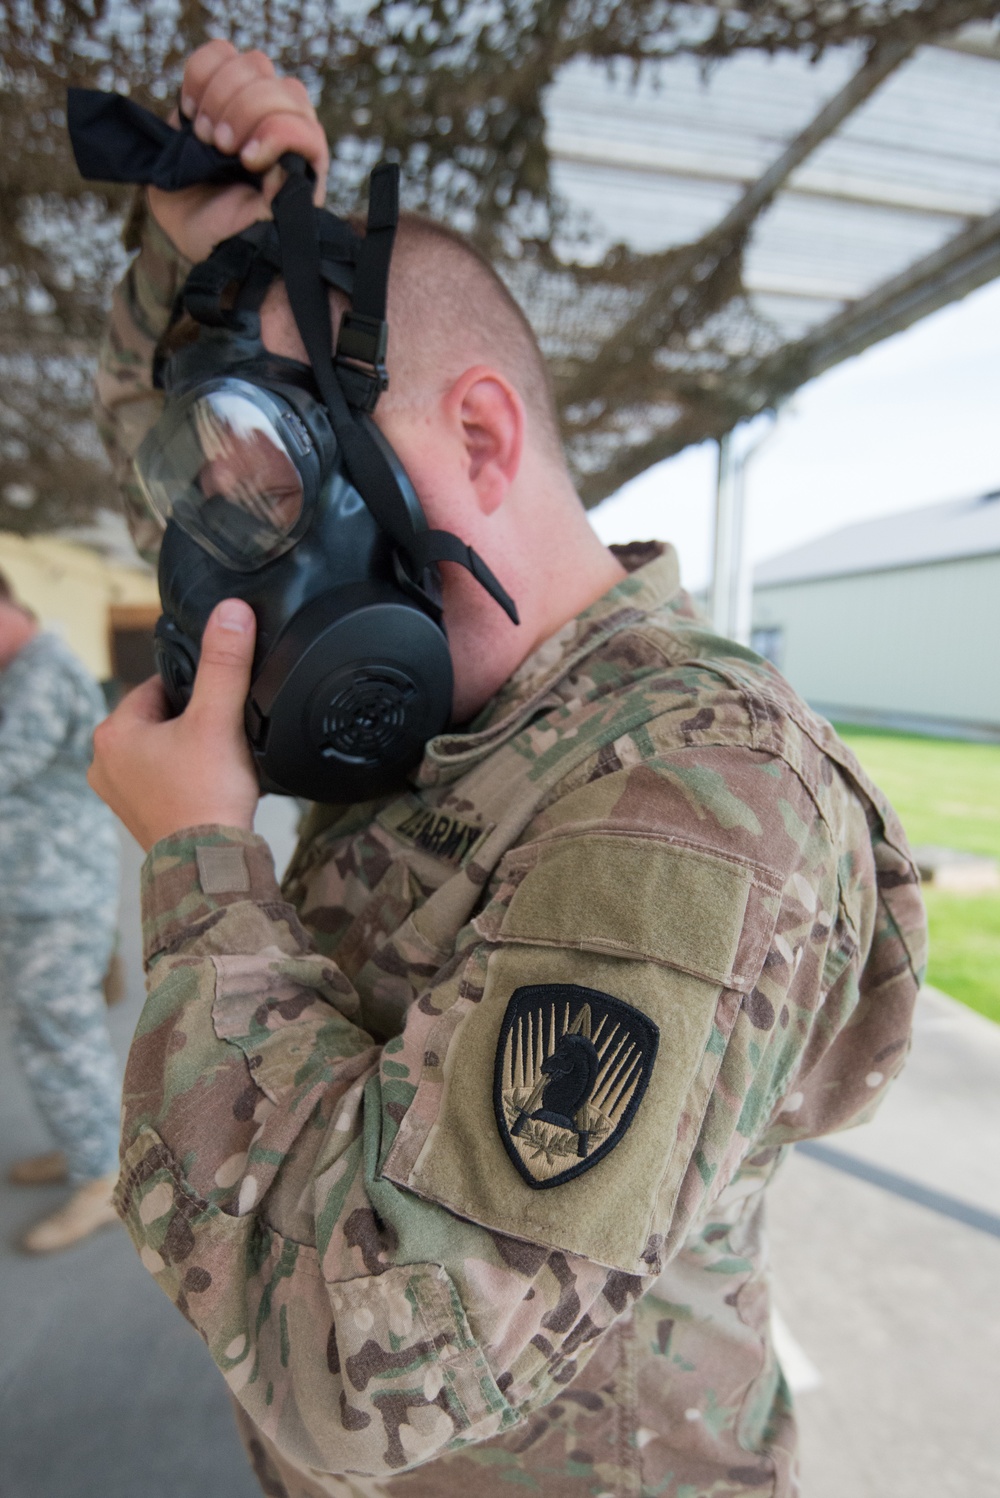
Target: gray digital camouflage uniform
[58,900]
[453,1148]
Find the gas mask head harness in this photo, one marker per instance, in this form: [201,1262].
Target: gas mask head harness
[274,485]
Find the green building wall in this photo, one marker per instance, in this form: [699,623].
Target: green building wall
[911,643]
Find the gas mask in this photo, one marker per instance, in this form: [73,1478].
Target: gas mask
[274,485]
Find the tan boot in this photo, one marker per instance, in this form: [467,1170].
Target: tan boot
[88,1209]
[39,1170]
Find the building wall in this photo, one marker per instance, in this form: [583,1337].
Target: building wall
[922,641]
[72,590]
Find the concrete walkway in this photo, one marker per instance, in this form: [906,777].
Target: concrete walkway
[893,1301]
[887,1258]
[105,1391]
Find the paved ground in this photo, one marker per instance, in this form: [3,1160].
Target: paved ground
[105,1392]
[893,1301]
[887,1254]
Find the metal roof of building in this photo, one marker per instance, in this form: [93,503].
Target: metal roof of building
[656,161]
[910,538]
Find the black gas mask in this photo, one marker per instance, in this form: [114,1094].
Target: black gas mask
[274,485]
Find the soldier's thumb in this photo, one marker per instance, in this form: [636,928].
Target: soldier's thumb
[223,678]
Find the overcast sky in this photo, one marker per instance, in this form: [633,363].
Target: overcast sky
[914,420]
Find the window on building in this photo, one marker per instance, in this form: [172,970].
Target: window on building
[769,641]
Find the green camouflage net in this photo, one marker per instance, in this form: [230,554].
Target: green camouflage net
[648,352]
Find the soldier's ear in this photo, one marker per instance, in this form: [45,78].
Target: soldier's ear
[489,415]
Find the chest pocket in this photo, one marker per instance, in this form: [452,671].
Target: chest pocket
[598,1008]
[361,893]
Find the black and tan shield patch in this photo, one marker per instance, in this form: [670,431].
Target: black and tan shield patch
[571,1068]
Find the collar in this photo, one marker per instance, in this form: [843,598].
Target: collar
[653,583]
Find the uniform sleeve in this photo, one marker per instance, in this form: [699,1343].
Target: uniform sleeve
[35,714]
[873,967]
[125,404]
[395,1251]
[363,1327]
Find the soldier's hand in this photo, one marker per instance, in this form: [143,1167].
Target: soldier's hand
[239,104]
[160,774]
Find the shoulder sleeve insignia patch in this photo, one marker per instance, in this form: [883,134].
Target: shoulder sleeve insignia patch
[572,1066]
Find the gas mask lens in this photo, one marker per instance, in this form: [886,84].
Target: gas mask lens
[220,464]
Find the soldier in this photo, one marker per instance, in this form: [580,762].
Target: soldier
[58,912]
[453,1148]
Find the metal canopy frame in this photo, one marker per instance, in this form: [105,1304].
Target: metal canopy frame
[961,265]
[969,260]
[687,259]
[965,262]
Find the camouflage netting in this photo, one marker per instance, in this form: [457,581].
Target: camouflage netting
[649,352]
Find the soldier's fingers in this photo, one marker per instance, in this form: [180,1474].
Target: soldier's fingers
[247,71]
[289,132]
[199,69]
[223,677]
[275,178]
[249,107]
[144,706]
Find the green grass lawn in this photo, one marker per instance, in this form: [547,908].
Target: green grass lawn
[948,793]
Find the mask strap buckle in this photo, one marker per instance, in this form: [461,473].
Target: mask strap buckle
[360,359]
[364,331]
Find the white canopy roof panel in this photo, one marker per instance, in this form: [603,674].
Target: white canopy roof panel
[657,161]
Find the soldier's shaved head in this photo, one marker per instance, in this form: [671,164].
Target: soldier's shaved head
[448,311]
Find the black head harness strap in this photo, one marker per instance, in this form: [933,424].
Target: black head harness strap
[116,140]
[355,380]
[250,261]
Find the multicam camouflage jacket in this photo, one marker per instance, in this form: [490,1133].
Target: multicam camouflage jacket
[125,403]
[58,844]
[453,1147]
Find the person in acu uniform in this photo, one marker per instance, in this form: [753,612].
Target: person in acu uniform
[58,915]
[454,1149]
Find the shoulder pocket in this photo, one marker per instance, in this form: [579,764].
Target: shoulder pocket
[670,903]
[610,975]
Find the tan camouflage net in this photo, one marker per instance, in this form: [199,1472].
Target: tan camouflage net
[649,352]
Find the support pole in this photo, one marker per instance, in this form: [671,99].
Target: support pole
[728,534]
[731,593]
[741,577]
